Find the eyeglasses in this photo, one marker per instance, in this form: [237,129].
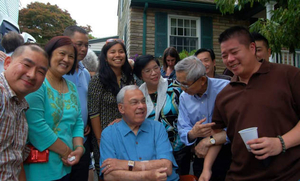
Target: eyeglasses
[80,45]
[114,40]
[187,86]
[149,71]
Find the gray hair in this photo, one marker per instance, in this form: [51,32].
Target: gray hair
[121,94]
[91,61]
[192,66]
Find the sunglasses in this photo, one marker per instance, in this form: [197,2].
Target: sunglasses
[114,40]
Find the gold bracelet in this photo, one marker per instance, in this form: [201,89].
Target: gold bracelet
[66,152]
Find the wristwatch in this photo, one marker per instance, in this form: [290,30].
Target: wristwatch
[212,140]
[130,165]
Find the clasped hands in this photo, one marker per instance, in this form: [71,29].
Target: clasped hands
[77,153]
[112,164]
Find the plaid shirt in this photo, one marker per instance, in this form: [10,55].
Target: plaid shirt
[13,132]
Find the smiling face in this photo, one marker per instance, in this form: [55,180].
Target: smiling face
[26,72]
[116,56]
[208,63]
[239,58]
[151,73]
[196,87]
[133,108]
[62,60]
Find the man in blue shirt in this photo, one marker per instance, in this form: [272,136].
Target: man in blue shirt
[81,79]
[196,105]
[136,148]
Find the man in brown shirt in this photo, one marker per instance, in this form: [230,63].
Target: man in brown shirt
[263,95]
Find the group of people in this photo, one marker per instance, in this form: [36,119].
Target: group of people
[182,111]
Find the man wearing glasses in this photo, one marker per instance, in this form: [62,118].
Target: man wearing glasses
[196,106]
[136,148]
[81,79]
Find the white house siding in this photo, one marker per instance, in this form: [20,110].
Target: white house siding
[10,8]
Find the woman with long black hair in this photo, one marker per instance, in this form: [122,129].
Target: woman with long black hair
[114,73]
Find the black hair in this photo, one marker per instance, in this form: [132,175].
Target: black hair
[141,62]
[59,41]
[106,75]
[244,35]
[210,51]
[171,51]
[11,41]
[70,30]
[260,37]
[32,46]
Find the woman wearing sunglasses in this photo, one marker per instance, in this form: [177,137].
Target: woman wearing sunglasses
[162,99]
[54,117]
[114,73]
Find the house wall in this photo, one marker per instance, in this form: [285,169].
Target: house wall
[133,17]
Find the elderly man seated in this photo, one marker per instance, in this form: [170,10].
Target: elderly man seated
[136,148]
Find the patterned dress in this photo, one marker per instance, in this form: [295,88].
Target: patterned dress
[102,103]
[50,116]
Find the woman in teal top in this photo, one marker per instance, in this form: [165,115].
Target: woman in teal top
[54,117]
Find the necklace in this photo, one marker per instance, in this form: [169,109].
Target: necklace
[59,87]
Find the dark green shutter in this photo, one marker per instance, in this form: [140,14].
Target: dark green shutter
[125,35]
[206,32]
[161,33]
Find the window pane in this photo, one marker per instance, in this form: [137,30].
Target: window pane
[173,22]
[179,49]
[180,41]
[180,31]
[193,23]
[186,42]
[180,22]
[193,32]
[187,23]
[172,41]
[193,43]
[186,32]
[173,31]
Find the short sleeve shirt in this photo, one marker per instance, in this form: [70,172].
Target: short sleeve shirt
[150,143]
[271,102]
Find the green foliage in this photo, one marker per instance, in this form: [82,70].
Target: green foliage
[183,54]
[44,21]
[282,30]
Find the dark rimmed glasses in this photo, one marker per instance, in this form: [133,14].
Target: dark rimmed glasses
[187,86]
[114,40]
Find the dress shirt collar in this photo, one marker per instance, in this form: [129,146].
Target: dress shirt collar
[124,128]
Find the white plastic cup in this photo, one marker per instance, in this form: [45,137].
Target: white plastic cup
[248,134]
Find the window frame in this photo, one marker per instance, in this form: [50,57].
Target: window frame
[198,27]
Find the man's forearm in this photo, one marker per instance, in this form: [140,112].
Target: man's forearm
[211,156]
[125,175]
[292,138]
[22,176]
[153,164]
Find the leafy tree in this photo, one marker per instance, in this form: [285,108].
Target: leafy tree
[282,31]
[88,29]
[44,21]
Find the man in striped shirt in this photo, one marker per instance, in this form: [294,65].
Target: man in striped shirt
[24,73]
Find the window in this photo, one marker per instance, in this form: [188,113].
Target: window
[184,32]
